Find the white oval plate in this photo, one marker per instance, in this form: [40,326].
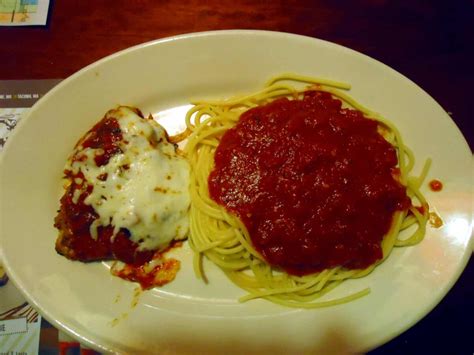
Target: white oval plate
[187,315]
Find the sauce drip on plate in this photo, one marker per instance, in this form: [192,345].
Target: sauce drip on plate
[435,185]
[314,183]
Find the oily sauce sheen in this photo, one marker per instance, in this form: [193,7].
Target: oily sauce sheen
[314,183]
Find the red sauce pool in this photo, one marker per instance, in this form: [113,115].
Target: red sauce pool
[151,276]
[435,185]
[313,183]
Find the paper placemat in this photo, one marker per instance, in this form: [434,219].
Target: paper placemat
[23,12]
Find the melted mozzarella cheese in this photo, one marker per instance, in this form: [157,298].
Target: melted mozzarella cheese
[146,186]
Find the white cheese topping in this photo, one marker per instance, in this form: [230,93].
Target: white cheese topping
[144,189]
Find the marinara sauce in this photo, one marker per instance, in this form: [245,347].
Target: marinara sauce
[314,183]
[435,185]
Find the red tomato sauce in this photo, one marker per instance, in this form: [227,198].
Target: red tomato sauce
[149,276]
[435,185]
[314,183]
[106,135]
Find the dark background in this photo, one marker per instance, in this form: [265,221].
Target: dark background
[431,42]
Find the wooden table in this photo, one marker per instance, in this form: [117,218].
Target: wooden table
[430,42]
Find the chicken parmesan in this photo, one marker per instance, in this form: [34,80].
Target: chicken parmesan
[126,197]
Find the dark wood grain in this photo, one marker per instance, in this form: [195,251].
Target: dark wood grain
[428,41]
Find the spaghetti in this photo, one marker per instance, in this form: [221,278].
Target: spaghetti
[222,237]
